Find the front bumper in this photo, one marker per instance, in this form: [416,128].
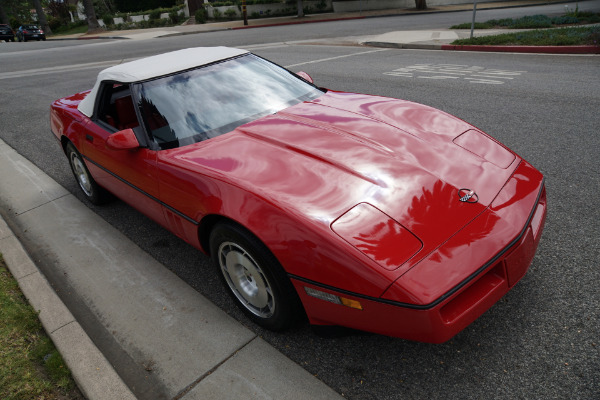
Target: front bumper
[436,300]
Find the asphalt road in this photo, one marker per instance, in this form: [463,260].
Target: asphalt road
[541,341]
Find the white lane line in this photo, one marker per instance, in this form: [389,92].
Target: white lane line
[20,53]
[496,77]
[335,58]
[265,46]
[60,69]
[439,77]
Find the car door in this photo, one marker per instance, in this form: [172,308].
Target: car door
[129,174]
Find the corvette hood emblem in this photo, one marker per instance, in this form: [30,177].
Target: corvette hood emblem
[467,196]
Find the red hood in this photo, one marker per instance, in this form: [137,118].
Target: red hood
[319,159]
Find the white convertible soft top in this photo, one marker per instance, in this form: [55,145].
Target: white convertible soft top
[155,66]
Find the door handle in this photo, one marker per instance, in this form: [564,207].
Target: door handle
[89,138]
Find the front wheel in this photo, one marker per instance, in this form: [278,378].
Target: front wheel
[254,278]
[94,193]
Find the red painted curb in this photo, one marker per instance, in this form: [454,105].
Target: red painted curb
[296,23]
[96,37]
[527,49]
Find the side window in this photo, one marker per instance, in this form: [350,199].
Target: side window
[116,107]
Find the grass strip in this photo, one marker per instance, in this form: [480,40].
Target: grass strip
[30,365]
[540,37]
[535,21]
[71,30]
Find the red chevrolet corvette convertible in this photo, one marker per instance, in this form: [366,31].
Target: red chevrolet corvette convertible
[359,211]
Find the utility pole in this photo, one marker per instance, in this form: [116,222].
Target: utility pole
[473,21]
[244,12]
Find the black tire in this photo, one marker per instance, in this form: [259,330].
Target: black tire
[254,278]
[92,191]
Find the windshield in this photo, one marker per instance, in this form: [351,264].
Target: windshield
[209,101]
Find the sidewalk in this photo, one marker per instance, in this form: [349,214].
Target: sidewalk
[441,39]
[425,39]
[165,339]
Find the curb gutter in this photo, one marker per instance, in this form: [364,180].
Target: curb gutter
[526,49]
[509,49]
[412,46]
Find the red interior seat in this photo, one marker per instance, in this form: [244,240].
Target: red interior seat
[126,113]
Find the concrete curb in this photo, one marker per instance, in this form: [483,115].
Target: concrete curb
[101,37]
[526,49]
[509,49]
[94,375]
[89,38]
[193,33]
[413,46]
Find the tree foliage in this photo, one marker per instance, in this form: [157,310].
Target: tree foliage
[3,15]
[103,7]
[16,12]
[136,5]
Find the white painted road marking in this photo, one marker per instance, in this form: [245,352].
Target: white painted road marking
[60,69]
[473,74]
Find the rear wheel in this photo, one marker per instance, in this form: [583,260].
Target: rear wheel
[254,278]
[94,193]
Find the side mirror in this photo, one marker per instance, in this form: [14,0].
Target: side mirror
[123,140]
[304,76]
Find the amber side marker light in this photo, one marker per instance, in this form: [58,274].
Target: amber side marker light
[332,298]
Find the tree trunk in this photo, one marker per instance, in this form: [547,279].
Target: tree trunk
[3,16]
[93,24]
[421,4]
[300,9]
[42,17]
